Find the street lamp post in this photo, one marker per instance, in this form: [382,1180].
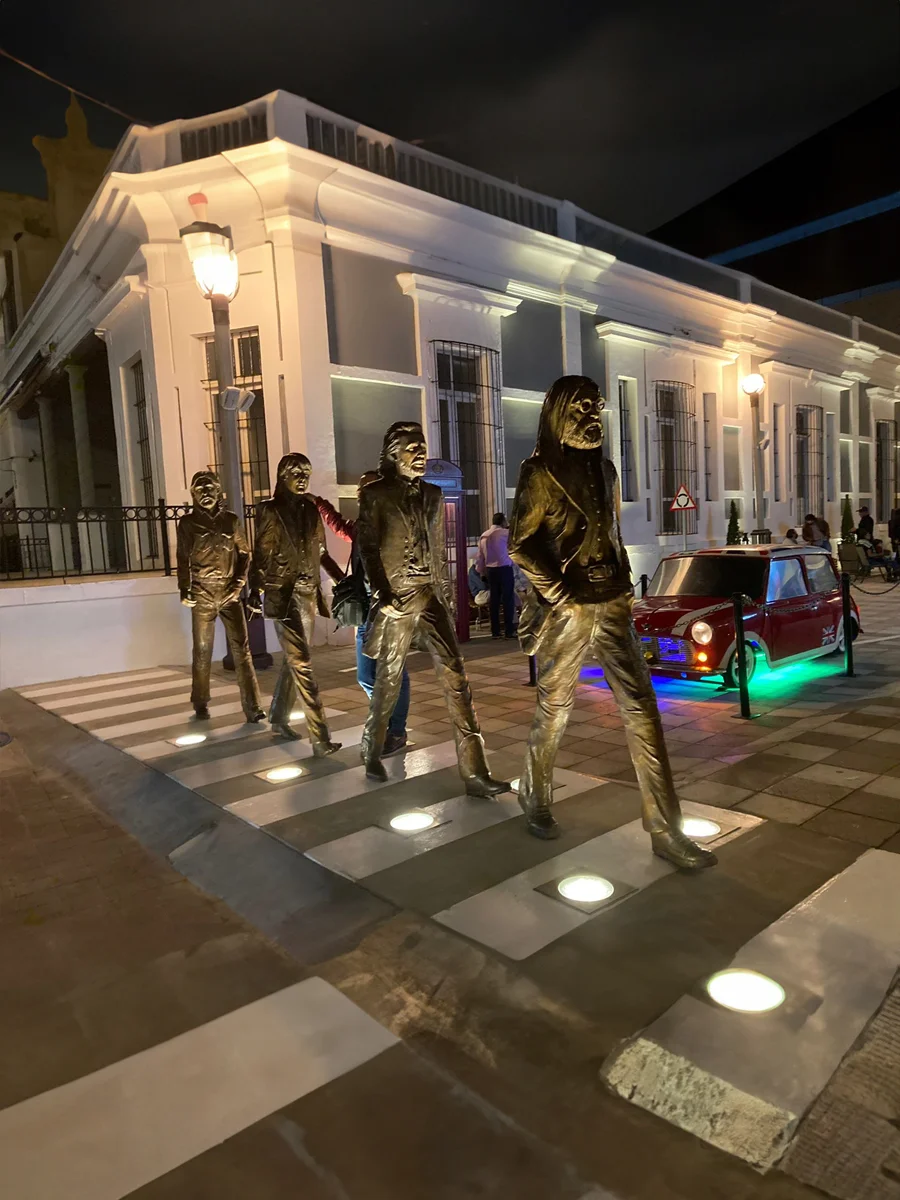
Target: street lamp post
[753,387]
[211,252]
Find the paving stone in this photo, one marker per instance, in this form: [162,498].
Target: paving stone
[758,771]
[833,775]
[707,792]
[869,803]
[779,808]
[804,752]
[866,830]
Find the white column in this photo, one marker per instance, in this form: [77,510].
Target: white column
[91,534]
[570,319]
[55,531]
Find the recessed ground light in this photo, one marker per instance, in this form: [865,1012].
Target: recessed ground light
[514,785]
[283,774]
[585,889]
[297,716]
[189,739]
[700,828]
[745,991]
[412,822]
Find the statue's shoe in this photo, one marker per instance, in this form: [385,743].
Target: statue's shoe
[323,749]
[676,848]
[201,712]
[375,770]
[284,731]
[542,824]
[482,787]
[254,718]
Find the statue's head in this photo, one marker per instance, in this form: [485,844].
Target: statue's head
[294,471]
[206,491]
[571,416]
[405,451]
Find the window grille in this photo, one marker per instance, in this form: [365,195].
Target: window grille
[628,471]
[709,441]
[777,424]
[809,489]
[676,432]
[467,382]
[829,456]
[885,466]
[227,135]
[146,485]
[247,365]
[342,142]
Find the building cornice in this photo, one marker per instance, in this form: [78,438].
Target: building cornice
[617,331]
[807,374]
[458,295]
[863,352]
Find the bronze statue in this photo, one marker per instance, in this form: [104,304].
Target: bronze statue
[212,556]
[565,536]
[402,542]
[288,555]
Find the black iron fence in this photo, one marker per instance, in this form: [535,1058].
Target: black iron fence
[61,543]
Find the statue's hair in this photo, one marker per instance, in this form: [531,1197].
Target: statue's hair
[392,439]
[553,414]
[295,459]
[198,475]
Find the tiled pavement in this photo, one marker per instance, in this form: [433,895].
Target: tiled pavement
[382,923]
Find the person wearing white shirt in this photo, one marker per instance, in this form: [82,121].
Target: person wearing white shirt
[493,561]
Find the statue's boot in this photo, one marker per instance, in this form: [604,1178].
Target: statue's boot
[482,787]
[323,749]
[678,849]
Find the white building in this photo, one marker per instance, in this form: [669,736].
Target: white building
[381,282]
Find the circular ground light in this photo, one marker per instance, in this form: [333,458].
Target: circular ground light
[585,889]
[412,822]
[745,991]
[190,739]
[700,828]
[283,774]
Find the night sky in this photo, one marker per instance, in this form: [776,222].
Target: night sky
[636,111]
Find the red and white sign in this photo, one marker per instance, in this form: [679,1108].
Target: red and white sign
[683,502]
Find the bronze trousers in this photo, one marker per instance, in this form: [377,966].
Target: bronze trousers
[203,628]
[388,642]
[606,629]
[296,677]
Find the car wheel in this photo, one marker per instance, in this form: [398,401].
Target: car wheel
[730,674]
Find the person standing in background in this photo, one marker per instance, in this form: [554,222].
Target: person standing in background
[365,667]
[493,561]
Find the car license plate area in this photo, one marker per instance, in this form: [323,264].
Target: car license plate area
[665,650]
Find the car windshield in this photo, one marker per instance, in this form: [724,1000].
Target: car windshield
[709,575]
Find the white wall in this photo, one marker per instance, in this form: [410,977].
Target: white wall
[65,630]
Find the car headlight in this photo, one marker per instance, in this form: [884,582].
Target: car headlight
[701,633]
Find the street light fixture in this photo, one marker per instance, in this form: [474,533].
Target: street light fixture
[753,386]
[210,249]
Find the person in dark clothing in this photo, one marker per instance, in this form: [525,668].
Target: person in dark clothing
[365,667]
[493,561]
[866,527]
[213,557]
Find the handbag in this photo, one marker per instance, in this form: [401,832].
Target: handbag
[350,597]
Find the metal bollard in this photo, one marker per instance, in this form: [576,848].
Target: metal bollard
[645,583]
[848,623]
[532,671]
[740,649]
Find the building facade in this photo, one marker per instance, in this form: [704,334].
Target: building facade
[380,282]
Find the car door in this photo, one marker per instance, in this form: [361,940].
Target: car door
[791,613]
[822,583]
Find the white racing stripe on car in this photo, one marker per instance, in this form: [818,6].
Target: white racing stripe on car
[680,628]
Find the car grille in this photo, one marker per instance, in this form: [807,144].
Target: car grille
[666,650]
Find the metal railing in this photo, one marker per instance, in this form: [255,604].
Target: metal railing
[63,543]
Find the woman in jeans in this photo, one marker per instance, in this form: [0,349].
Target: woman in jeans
[365,667]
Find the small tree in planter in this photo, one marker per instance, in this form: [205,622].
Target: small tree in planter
[846,519]
[733,536]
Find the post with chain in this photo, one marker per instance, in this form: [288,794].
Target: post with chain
[645,583]
[740,650]
[847,623]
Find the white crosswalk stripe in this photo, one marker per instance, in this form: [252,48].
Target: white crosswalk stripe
[148,751]
[173,685]
[201,775]
[93,685]
[139,706]
[117,1129]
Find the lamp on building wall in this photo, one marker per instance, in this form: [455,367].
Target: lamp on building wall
[753,386]
[210,249]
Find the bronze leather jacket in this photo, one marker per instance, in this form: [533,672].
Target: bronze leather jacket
[386,538]
[288,554]
[212,556]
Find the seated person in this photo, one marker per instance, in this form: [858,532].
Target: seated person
[791,538]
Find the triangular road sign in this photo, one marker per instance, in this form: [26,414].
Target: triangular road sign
[683,502]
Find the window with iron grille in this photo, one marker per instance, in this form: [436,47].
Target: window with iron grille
[467,382]
[710,429]
[627,416]
[676,434]
[885,481]
[146,485]
[809,476]
[247,366]
[777,435]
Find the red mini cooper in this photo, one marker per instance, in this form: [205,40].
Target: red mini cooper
[792,609]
